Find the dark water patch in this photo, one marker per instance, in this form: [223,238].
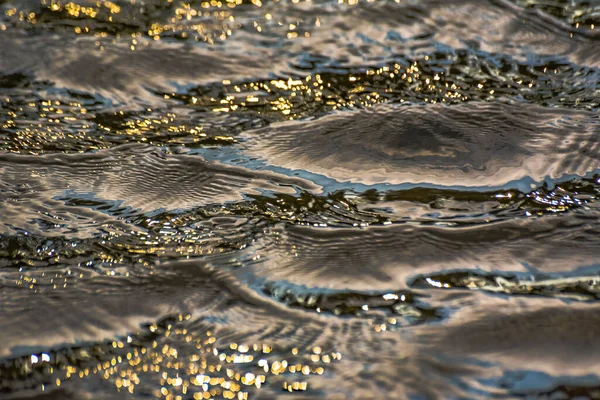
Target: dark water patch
[12,81]
[394,308]
[463,207]
[569,392]
[34,251]
[334,209]
[586,288]
[579,13]
[570,195]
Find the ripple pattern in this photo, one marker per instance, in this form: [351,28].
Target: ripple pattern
[295,199]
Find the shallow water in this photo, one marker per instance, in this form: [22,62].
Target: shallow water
[299,199]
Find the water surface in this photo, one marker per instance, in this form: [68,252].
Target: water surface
[299,199]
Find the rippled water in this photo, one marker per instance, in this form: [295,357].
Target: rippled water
[341,199]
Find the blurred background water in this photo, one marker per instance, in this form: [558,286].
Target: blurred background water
[298,199]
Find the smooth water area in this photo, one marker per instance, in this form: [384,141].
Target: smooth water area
[299,199]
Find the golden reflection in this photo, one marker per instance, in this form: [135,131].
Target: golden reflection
[179,363]
[214,20]
[292,97]
[45,122]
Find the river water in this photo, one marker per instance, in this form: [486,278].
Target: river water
[341,199]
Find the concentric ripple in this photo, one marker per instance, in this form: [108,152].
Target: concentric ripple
[136,176]
[474,147]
